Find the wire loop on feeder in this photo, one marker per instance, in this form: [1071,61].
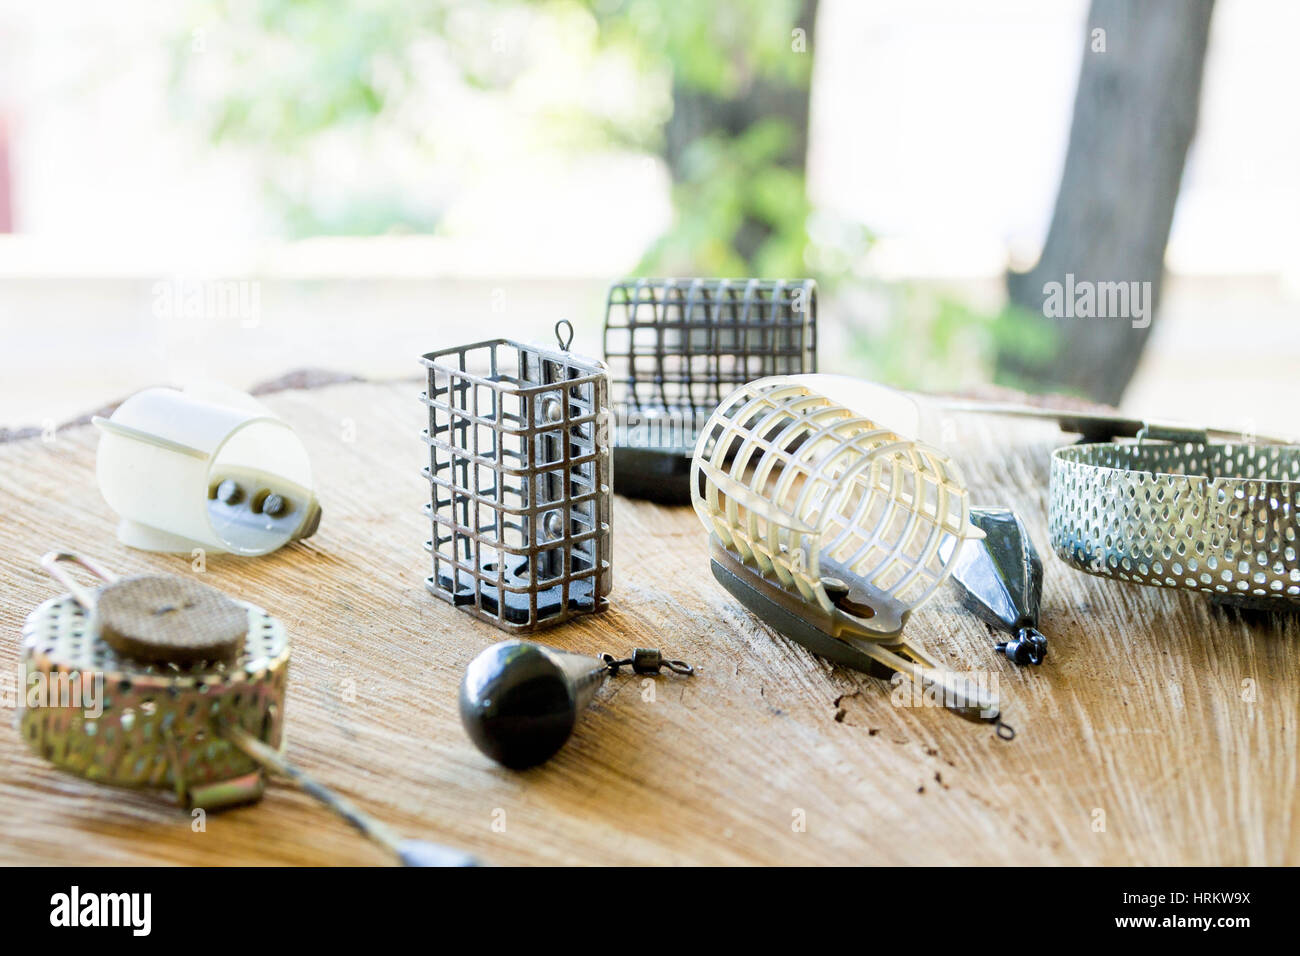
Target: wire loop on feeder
[560,328]
[86,599]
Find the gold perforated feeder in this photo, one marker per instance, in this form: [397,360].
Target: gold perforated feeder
[833,526]
[163,683]
[153,724]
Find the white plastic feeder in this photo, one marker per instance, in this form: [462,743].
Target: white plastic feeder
[187,470]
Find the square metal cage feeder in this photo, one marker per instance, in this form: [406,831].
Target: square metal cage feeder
[677,347]
[519,471]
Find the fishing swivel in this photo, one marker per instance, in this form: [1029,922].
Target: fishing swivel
[647,660]
[1027,647]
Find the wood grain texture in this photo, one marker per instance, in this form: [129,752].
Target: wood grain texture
[1138,711]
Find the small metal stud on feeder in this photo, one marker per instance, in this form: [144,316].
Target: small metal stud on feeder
[677,347]
[519,471]
[832,526]
[208,468]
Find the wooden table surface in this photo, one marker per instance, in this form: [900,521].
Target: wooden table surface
[1160,730]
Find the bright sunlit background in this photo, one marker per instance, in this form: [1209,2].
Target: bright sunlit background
[411,175]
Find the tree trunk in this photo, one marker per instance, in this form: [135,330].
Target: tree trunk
[1134,117]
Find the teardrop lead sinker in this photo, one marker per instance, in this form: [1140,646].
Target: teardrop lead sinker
[520,701]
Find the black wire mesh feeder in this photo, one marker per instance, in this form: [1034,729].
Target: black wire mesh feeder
[519,471]
[676,347]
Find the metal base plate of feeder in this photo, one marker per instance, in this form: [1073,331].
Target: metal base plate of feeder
[795,627]
[517,609]
[652,475]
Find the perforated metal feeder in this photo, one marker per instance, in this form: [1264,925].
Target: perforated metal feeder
[677,347]
[832,526]
[1184,513]
[519,471]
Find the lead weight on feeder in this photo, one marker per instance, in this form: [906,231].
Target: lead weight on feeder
[550,410]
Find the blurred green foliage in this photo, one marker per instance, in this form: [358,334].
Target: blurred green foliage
[718,48]
[282,78]
[930,339]
[727,183]
[744,175]
[286,80]
[290,76]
